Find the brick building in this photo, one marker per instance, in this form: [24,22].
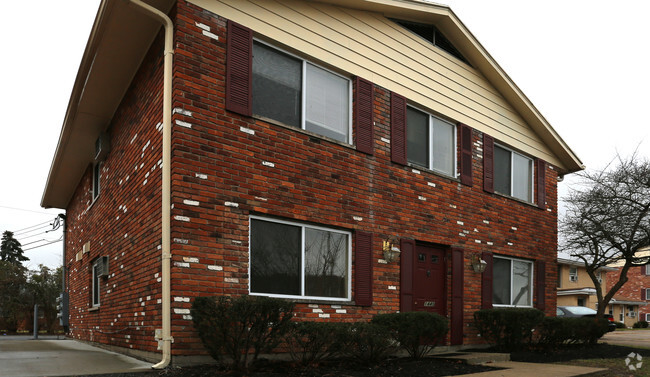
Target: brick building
[357,157]
[636,293]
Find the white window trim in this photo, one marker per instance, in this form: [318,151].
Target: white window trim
[530,282]
[96,177]
[647,269]
[647,317]
[303,88]
[95,285]
[647,293]
[454,169]
[573,277]
[512,176]
[302,251]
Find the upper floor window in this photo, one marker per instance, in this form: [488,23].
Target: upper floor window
[512,283]
[573,274]
[300,94]
[431,142]
[647,294]
[296,260]
[513,173]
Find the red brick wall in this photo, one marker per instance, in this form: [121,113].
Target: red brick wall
[123,223]
[636,281]
[219,179]
[322,182]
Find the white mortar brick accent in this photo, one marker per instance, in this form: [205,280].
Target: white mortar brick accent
[182,218]
[191,259]
[323,316]
[181,311]
[317,310]
[357,218]
[452,205]
[183,124]
[202,26]
[231,280]
[215,268]
[510,243]
[382,261]
[182,111]
[460,223]
[486,221]
[476,230]
[477,241]
[144,182]
[341,311]
[387,141]
[392,287]
[182,299]
[134,137]
[181,241]
[269,164]
[335,306]
[187,317]
[231,204]
[422,198]
[247,130]
[181,264]
[159,126]
[261,199]
[461,234]
[210,35]
[191,202]
[201,176]
[514,228]
[490,243]
[313,305]
[236,242]
[416,171]
[431,184]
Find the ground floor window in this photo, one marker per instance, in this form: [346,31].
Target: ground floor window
[647,317]
[299,260]
[512,282]
[581,301]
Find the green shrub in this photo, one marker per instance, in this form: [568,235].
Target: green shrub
[366,342]
[310,342]
[415,332]
[554,331]
[235,326]
[507,328]
[640,325]
[620,325]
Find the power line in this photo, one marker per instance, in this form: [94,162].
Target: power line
[49,243]
[26,210]
[31,231]
[29,227]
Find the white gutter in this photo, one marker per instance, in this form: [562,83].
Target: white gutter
[166,180]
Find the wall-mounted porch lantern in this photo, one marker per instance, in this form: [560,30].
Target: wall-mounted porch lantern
[478,265]
[391,250]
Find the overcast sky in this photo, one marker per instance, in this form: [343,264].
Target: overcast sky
[583,64]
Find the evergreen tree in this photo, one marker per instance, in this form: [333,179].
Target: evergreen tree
[10,250]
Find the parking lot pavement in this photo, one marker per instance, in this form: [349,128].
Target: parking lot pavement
[630,338]
[21,356]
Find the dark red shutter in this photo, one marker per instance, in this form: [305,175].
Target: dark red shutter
[541,183]
[465,154]
[457,285]
[363,116]
[486,281]
[363,268]
[398,128]
[239,69]
[488,163]
[540,284]
[406,275]
[643,294]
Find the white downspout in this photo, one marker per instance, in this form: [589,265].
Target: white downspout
[166,180]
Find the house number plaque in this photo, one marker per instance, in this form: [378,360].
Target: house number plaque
[429,304]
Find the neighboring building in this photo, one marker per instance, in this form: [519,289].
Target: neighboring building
[635,290]
[575,287]
[308,138]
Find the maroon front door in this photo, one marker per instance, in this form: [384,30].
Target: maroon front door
[429,272]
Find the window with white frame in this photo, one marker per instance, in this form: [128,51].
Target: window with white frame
[647,293]
[573,274]
[647,317]
[289,259]
[431,141]
[96,280]
[647,269]
[512,283]
[300,94]
[513,174]
[96,174]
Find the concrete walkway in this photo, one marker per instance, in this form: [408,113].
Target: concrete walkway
[21,356]
[629,338]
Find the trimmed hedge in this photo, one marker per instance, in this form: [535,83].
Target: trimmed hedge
[235,326]
[367,342]
[554,331]
[415,332]
[640,325]
[507,328]
[311,342]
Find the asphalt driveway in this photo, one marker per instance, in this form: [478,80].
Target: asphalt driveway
[630,338]
[21,356]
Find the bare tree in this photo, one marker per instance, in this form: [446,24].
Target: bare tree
[607,221]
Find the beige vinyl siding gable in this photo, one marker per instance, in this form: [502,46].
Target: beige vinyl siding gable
[369,45]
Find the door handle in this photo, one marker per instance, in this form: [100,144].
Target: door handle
[428,273]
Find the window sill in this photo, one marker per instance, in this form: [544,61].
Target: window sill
[308,300]
[93,309]
[429,171]
[516,199]
[302,131]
